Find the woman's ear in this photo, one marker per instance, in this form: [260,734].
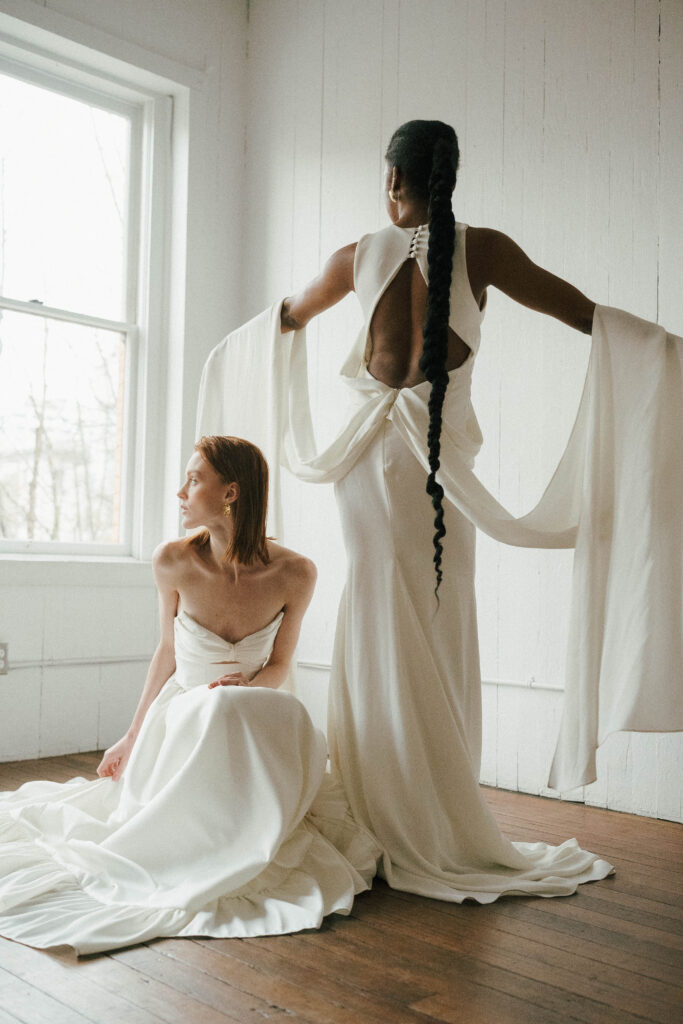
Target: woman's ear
[232,492]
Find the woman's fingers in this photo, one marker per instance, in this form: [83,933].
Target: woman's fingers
[234,679]
[115,759]
[108,766]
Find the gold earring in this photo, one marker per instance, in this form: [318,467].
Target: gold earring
[227,509]
[393,195]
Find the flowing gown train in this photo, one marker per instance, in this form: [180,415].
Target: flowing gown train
[405,691]
[223,824]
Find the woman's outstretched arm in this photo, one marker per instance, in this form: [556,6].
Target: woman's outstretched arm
[162,666]
[494,259]
[332,284]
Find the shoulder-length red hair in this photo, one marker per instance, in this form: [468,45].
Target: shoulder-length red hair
[241,462]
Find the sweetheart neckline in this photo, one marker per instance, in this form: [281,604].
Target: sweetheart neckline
[230,643]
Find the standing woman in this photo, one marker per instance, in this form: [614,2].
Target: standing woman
[405,693]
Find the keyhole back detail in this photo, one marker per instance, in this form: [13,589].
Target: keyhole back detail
[390,279]
[395,336]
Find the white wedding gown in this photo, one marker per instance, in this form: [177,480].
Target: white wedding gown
[405,691]
[223,824]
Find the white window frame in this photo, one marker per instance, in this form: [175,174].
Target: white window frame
[146,292]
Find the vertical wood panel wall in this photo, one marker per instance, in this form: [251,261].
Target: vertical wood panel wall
[569,118]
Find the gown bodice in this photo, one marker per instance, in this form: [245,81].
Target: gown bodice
[379,257]
[202,656]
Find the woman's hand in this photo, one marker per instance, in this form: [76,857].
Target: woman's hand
[232,679]
[116,758]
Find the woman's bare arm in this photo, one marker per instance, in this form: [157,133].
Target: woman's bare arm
[494,259]
[161,668]
[332,284]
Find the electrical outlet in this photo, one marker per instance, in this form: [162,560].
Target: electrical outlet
[4,659]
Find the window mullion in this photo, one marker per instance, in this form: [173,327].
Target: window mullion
[70,316]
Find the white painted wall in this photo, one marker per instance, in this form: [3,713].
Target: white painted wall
[569,120]
[81,632]
[570,129]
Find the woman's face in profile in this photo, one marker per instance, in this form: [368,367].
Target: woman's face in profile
[202,496]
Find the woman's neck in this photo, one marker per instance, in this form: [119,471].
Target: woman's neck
[411,215]
[220,542]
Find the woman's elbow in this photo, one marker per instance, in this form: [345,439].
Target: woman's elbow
[288,322]
[273,675]
[579,316]
[586,324]
[164,656]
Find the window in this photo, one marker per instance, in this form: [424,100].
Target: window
[71,204]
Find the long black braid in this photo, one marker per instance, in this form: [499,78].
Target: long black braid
[427,154]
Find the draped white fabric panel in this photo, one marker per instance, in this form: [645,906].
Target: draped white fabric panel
[615,496]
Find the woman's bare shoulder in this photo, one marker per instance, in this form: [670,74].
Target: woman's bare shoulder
[491,256]
[493,247]
[172,555]
[481,241]
[290,563]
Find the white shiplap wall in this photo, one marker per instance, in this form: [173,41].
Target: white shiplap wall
[569,118]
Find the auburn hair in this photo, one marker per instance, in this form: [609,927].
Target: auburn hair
[239,461]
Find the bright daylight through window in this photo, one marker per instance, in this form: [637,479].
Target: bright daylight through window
[66,305]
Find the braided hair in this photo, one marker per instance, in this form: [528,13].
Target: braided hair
[427,154]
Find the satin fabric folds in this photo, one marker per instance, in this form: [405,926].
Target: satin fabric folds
[615,497]
[224,823]
[405,708]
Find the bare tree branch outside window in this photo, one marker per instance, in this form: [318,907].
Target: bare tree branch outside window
[63,209]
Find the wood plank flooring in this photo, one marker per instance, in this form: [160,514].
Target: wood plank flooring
[611,954]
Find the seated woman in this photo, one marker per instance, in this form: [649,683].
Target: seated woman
[213,814]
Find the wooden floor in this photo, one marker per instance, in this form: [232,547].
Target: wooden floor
[612,954]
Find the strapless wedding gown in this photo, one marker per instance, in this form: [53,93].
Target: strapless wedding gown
[223,824]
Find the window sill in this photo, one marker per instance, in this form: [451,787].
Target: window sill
[18,570]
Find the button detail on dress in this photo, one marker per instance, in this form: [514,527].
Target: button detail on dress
[414,242]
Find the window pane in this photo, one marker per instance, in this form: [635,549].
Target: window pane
[64,169]
[61,426]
